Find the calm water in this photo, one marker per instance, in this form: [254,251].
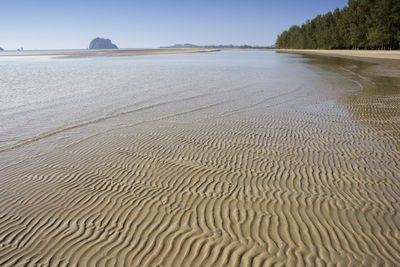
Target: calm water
[39,95]
[42,96]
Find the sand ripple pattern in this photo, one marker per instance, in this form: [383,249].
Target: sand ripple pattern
[286,181]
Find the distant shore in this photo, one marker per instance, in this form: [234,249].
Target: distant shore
[385,62]
[114,52]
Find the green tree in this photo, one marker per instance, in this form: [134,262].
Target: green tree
[362,24]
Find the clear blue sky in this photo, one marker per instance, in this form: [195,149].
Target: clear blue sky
[56,24]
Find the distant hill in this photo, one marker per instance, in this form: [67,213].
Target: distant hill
[181,46]
[1,49]
[101,43]
[187,45]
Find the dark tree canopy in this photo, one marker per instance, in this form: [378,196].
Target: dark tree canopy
[362,24]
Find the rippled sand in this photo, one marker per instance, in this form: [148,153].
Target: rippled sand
[302,178]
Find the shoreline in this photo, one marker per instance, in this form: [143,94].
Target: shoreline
[384,63]
[381,54]
[116,52]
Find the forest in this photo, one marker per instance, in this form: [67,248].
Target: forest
[362,24]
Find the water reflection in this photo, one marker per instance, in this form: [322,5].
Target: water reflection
[376,102]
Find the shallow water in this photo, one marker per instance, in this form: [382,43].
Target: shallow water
[220,159]
[43,95]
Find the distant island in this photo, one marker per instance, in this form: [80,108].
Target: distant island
[1,49]
[187,45]
[363,24]
[101,43]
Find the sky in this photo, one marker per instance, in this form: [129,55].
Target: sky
[57,24]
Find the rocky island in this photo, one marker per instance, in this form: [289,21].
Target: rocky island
[101,43]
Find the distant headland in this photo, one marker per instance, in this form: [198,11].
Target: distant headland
[187,45]
[1,49]
[101,43]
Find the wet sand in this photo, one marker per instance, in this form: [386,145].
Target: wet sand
[386,63]
[113,52]
[307,178]
[383,54]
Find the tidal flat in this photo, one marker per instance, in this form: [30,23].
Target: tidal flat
[233,158]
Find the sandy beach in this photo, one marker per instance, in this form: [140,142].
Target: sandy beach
[382,54]
[241,166]
[111,52]
[386,63]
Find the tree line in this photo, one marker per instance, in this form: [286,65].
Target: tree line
[362,24]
